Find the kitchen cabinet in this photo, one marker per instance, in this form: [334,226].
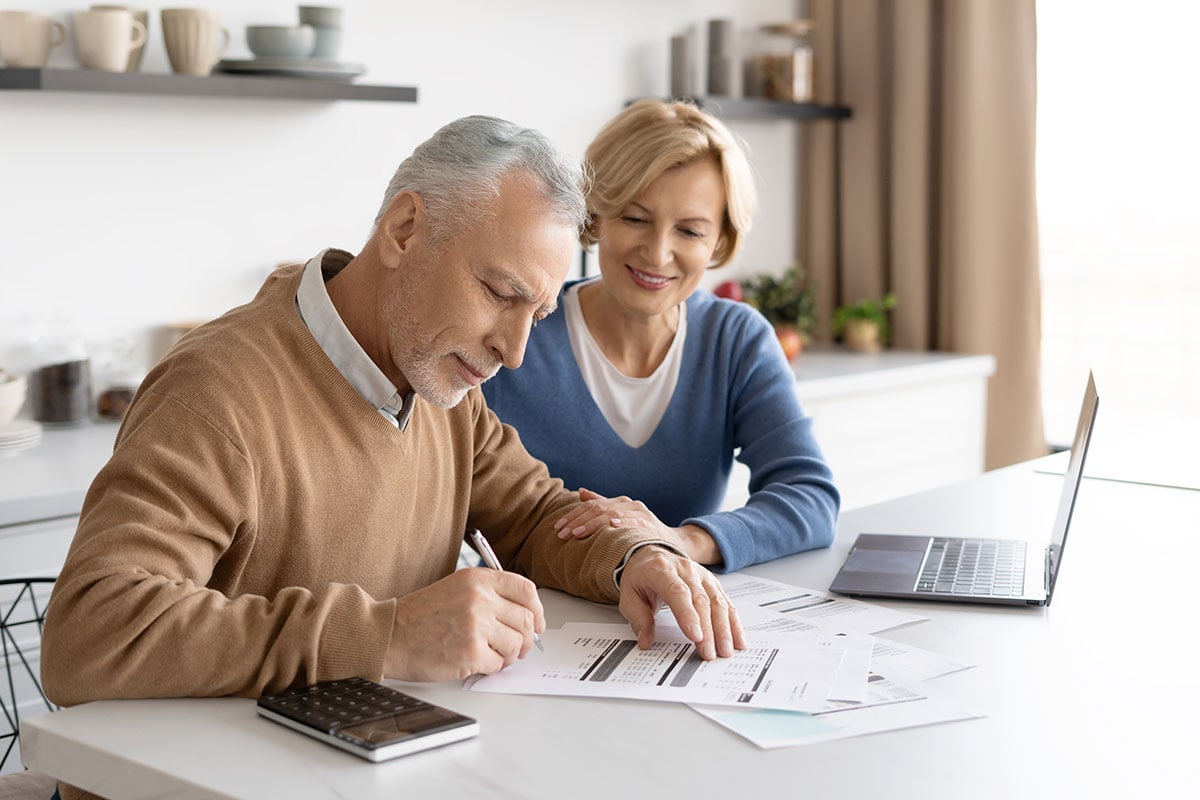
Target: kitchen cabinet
[36,549]
[30,549]
[891,423]
[41,494]
[216,85]
[49,481]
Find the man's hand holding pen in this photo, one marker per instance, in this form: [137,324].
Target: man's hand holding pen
[473,621]
[478,621]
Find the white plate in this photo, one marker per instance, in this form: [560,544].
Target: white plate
[10,450]
[19,444]
[19,434]
[295,67]
[19,431]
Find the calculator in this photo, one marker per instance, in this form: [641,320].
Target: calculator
[365,718]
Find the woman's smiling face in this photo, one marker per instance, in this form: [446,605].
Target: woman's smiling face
[654,253]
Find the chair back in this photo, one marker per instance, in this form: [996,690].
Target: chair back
[22,612]
[27,786]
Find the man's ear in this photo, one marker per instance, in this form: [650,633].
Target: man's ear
[402,226]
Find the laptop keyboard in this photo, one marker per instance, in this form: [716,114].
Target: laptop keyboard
[993,567]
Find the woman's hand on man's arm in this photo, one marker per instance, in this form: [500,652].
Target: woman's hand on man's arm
[597,511]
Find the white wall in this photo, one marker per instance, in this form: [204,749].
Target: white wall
[123,213]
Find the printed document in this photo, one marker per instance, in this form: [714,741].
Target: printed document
[885,656]
[891,705]
[813,606]
[779,671]
[851,681]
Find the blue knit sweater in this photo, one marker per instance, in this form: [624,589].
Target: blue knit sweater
[735,395]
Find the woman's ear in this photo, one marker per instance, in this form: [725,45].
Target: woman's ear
[596,227]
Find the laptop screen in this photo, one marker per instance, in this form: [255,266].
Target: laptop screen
[1066,504]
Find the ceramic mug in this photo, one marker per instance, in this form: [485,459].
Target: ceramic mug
[191,37]
[27,36]
[142,16]
[106,37]
[327,20]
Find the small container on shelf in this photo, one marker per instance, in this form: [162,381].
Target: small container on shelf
[114,399]
[722,58]
[783,67]
[121,376]
[61,385]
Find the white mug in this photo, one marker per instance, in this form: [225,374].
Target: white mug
[106,37]
[27,36]
[142,16]
[191,38]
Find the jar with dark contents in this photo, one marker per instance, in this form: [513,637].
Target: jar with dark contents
[62,386]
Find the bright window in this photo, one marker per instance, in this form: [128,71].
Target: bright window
[1118,179]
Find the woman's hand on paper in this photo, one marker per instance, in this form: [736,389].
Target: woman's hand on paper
[596,512]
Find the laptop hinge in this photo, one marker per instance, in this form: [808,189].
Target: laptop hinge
[1046,576]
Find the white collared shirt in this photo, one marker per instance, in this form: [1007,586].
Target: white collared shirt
[318,313]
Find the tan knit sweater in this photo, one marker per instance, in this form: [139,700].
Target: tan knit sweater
[258,518]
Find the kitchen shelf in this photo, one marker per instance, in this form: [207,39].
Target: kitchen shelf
[759,108]
[215,85]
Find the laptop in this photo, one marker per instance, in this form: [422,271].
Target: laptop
[1001,571]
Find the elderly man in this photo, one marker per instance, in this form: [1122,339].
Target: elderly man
[289,490]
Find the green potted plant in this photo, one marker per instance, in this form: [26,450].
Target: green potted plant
[863,325]
[787,303]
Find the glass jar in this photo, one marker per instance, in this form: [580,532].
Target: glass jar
[121,376]
[784,65]
[61,385]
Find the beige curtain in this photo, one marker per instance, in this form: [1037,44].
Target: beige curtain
[928,190]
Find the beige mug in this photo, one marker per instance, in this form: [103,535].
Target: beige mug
[191,37]
[27,36]
[106,37]
[142,16]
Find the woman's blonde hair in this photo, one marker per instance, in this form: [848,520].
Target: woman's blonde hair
[650,137]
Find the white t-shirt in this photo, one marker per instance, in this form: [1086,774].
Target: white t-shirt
[632,406]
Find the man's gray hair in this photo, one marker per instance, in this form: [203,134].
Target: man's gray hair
[458,171]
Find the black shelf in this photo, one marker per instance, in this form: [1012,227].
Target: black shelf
[760,108]
[215,85]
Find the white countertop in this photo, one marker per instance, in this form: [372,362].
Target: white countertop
[51,479]
[828,372]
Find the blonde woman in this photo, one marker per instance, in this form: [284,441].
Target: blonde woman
[641,386]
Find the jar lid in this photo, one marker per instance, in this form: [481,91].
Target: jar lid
[794,27]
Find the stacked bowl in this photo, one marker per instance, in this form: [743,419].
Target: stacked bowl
[318,37]
[15,434]
[281,41]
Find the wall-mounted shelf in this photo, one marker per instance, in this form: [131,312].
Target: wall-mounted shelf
[757,107]
[216,85]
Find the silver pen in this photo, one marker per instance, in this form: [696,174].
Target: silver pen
[489,557]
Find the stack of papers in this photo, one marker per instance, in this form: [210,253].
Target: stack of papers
[813,669]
